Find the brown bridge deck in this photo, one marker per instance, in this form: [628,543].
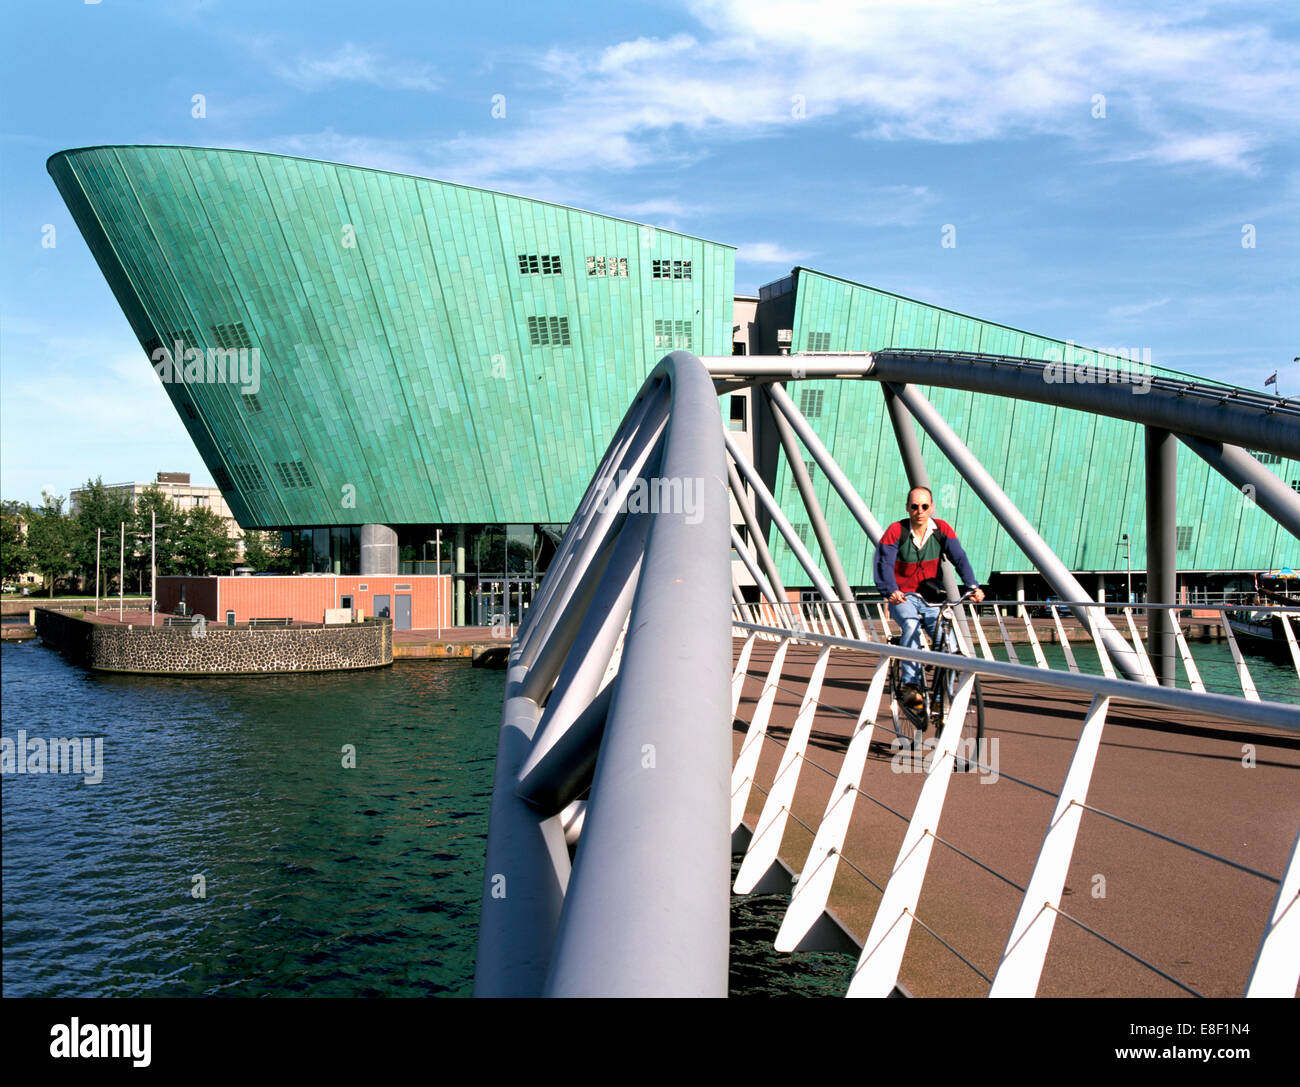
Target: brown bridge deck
[1193,917]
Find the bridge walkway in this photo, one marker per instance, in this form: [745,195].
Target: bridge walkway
[1193,917]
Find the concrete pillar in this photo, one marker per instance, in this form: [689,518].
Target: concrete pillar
[459,619]
[378,550]
[1162,546]
[1020,586]
[1101,588]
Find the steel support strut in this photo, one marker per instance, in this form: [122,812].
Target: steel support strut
[1033,545]
[1162,548]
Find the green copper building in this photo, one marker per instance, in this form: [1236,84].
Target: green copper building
[381,365]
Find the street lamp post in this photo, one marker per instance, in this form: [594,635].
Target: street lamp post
[438,570]
[1128,564]
[99,540]
[121,571]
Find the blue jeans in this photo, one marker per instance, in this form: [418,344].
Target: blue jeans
[909,615]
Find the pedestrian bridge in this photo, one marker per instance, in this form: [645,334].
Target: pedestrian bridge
[1123,829]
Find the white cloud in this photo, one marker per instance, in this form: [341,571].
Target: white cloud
[352,64]
[1134,308]
[625,54]
[769,253]
[1179,91]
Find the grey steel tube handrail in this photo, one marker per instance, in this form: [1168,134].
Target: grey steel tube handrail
[655,830]
[1270,714]
[1212,412]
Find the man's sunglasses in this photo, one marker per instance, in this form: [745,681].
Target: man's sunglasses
[919,506]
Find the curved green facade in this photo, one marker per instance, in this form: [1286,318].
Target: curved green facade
[434,354]
[1079,478]
[428,352]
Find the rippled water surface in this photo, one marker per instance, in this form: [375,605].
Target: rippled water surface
[319,880]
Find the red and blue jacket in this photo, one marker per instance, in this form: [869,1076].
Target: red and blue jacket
[900,564]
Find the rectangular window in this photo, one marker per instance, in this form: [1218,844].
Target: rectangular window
[249,476]
[607,266]
[810,402]
[819,341]
[533,264]
[548,331]
[673,334]
[228,336]
[670,269]
[1185,537]
[252,403]
[1266,458]
[737,420]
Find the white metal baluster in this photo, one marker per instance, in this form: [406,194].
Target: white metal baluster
[738,677]
[979,633]
[742,775]
[1039,659]
[1065,642]
[1184,651]
[882,954]
[1006,638]
[1277,964]
[1108,669]
[814,886]
[1290,639]
[770,828]
[1243,673]
[1148,669]
[1021,967]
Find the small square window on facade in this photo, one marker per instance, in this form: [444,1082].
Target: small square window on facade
[531,264]
[819,341]
[607,266]
[673,334]
[548,331]
[810,402]
[737,420]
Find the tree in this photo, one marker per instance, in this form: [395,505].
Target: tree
[50,538]
[203,547]
[170,528]
[264,552]
[15,558]
[97,508]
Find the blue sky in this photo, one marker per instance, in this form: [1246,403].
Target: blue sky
[842,136]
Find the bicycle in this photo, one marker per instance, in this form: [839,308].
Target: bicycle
[938,689]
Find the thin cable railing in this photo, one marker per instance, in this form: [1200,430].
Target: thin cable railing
[811,699]
[1280,625]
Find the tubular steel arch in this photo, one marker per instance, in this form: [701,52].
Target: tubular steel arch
[621,693]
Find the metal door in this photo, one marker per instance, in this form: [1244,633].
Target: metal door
[402,621]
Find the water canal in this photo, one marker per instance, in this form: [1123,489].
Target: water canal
[229,850]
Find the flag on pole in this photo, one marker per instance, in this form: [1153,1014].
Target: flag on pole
[1271,381]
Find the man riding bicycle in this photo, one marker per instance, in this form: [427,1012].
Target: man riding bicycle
[907,575]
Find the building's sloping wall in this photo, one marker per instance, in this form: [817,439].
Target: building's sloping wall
[404,375]
[1078,478]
